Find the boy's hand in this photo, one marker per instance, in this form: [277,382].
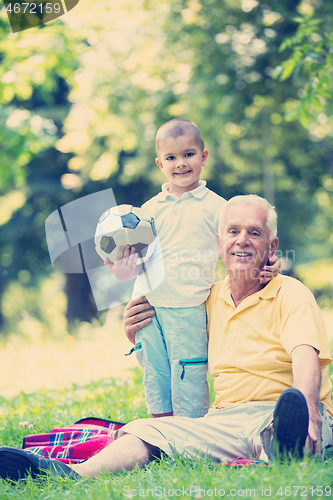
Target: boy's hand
[124,267]
[269,272]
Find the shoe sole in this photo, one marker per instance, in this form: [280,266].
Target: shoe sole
[291,423]
[16,464]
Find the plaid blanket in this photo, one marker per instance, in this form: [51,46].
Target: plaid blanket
[73,443]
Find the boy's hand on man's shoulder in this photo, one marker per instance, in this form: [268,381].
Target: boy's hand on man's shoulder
[124,267]
[269,272]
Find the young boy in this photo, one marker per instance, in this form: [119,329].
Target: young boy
[172,349]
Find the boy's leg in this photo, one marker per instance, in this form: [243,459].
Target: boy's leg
[152,355]
[186,338]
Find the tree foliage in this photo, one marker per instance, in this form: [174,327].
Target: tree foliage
[82,97]
[311,55]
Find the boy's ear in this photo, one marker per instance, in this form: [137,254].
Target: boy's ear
[204,157]
[159,163]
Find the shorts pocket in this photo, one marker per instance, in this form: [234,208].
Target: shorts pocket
[190,362]
[192,387]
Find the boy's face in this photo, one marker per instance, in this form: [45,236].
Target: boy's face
[181,160]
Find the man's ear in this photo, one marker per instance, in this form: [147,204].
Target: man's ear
[159,163]
[219,244]
[273,246]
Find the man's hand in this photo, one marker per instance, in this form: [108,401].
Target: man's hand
[137,314]
[124,267]
[307,378]
[313,441]
[269,272]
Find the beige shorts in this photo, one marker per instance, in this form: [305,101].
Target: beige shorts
[240,431]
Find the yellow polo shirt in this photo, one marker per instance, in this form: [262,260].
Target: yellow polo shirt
[250,346]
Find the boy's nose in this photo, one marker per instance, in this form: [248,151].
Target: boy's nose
[181,163]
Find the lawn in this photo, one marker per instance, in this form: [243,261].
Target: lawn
[122,399]
[57,394]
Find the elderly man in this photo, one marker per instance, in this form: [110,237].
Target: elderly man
[268,355]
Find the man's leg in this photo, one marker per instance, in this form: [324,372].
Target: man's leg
[123,454]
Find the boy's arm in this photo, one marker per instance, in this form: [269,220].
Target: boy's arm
[125,266]
[269,272]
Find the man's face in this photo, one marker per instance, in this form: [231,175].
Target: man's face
[181,160]
[244,241]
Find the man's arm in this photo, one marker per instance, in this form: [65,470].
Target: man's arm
[307,379]
[137,314]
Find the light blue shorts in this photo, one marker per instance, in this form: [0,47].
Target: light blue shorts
[172,351]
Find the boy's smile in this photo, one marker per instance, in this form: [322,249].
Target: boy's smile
[181,160]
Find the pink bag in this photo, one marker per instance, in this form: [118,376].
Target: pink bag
[73,443]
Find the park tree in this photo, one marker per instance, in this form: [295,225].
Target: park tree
[216,64]
[82,98]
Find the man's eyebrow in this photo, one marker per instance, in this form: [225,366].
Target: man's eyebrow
[232,225]
[256,228]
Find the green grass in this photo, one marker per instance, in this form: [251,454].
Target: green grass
[181,478]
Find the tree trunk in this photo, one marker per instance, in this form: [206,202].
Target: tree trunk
[80,303]
[1,315]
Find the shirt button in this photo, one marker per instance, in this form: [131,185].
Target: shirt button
[175,212]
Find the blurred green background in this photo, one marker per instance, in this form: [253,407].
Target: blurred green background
[81,99]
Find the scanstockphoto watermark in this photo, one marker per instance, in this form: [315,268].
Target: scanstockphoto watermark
[180,255]
[70,235]
[24,15]
[217,492]
[193,265]
[185,491]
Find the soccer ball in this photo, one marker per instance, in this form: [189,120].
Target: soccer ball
[124,225]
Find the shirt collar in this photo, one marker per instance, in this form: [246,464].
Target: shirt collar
[268,292]
[198,192]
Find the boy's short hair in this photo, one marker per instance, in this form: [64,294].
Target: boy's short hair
[176,128]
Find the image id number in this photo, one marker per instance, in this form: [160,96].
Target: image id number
[304,491]
[33,8]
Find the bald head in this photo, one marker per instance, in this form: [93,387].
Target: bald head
[176,128]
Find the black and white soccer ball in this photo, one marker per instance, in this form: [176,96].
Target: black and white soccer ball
[124,225]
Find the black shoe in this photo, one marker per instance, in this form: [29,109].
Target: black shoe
[291,423]
[327,453]
[16,464]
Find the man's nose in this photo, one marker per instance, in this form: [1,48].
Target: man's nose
[242,238]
